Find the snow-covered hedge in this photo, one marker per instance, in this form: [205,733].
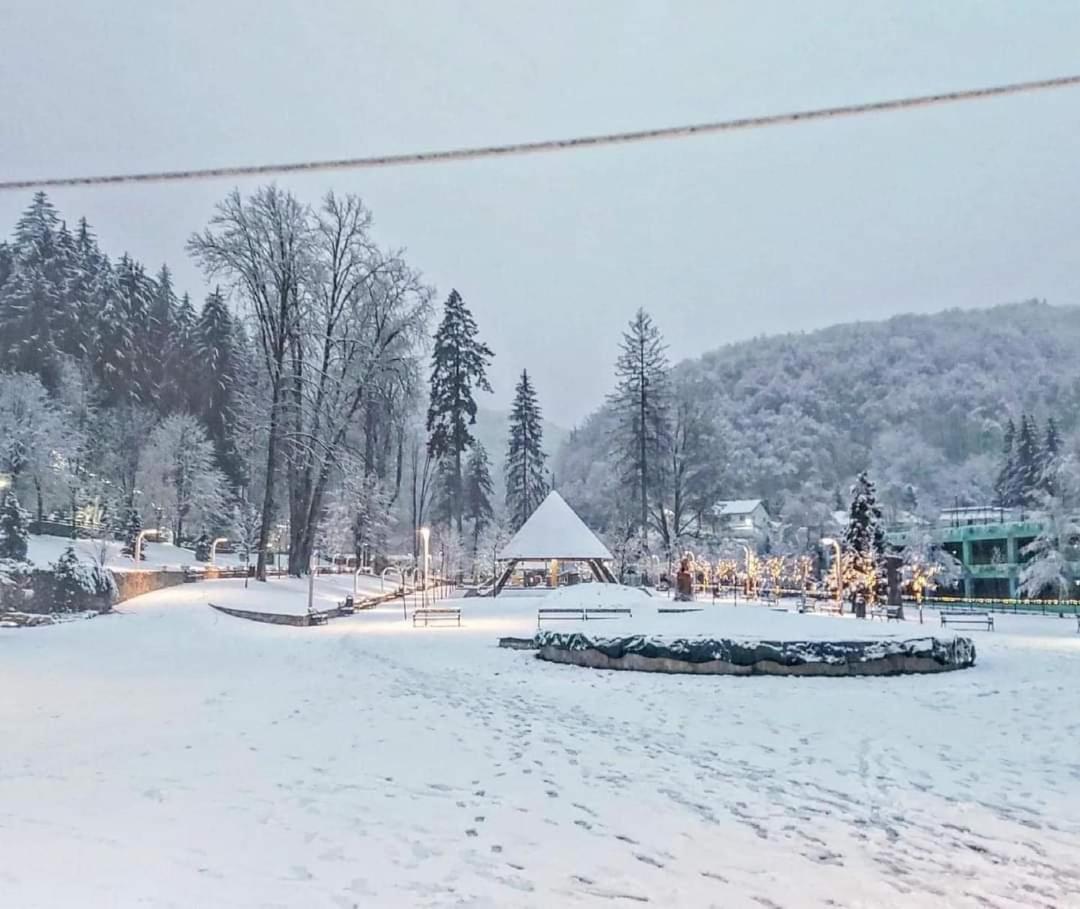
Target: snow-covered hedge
[885,656]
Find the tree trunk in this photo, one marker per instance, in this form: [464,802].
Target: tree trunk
[457,491]
[268,495]
[642,455]
[40,503]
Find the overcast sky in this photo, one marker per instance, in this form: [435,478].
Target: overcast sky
[721,238]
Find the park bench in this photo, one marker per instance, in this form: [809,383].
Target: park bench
[985,620]
[581,615]
[605,612]
[886,613]
[431,615]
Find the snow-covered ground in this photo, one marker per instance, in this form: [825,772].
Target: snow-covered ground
[45,549]
[174,756]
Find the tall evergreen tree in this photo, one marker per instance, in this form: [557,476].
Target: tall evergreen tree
[1004,484]
[1027,472]
[161,335]
[217,356]
[458,366]
[14,528]
[32,299]
[185,356]
[641,407]
[864,541]
[526,484]
[121,352]
[1048,457]
[85,292]
[478,492]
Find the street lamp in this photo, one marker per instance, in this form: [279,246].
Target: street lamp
[136,550]
[214,546]
[313,566]
[749,562]
[425,537]
[831,541]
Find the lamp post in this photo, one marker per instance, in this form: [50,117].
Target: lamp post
[425,537]
[312,565]
[749,562]
[831,541]
[136,550]
[214,546]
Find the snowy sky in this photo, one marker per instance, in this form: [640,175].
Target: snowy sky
[722,238]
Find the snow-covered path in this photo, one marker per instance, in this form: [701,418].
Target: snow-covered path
[173,756]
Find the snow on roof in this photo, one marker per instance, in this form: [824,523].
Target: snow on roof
[554,531]
[736,506]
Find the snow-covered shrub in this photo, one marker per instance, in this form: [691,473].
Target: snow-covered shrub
[74,586]
[15,578]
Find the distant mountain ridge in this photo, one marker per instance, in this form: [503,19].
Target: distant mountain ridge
[920,400]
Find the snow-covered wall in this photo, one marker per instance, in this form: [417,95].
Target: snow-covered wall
[730,657]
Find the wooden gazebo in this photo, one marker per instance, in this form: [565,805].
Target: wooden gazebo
[552,534]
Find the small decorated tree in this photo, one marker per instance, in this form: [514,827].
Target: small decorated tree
[864,539]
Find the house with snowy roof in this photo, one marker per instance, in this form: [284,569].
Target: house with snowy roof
[741,518]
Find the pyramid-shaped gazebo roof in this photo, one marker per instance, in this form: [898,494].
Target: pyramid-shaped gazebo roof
[554,531]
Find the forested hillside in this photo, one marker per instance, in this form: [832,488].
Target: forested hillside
[919,400]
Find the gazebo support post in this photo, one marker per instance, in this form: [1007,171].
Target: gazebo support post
[506,575]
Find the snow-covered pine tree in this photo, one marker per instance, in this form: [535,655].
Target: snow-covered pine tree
[121,351]
[161,335]
[1027,472]
[1004,484]
[14,528]
[641,406]
[32,299]
[478,492]
[1048,569]
[458,366]
[1048,457]
[75,586]
[864,540]
[88,285]
[216,355]
[526,483]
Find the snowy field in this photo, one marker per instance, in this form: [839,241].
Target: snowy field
[174,756]
[45,549]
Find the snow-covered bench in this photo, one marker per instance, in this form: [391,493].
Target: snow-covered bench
[435,614]
[886,613]
[581,615]
[985,619]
